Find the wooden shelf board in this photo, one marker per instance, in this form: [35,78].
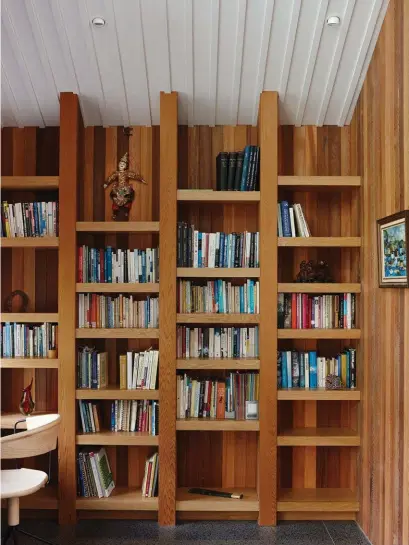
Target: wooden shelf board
[29,363]
[29,317]
[335,287]
[205,272]
[117,333]
[45,498]
[314,242]
[317,499]
[213,424]
[121,499]
[215,318]
[117,438]
[114,392]
[208,195]
[117,288]
[300,394]
[319,333]
[118,226]
[29,182]
[319,182]
[218,363]
[30,242]
[320,437]
[196,502]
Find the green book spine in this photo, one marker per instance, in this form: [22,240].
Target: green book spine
[239,170]
[250,168]
[232,170]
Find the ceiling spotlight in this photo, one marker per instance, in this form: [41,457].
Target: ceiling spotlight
[98,21]
[333,20]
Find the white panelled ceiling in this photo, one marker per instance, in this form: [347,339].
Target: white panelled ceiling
[218,54]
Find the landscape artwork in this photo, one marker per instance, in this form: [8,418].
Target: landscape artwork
[392,247]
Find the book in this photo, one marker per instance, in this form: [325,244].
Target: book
[285,219]
[21,340]
[150,479]
[217,342]
[291,221]
[135,416]
[95,475]
[222,168]
[92,368]
[34,219]
[239,170]
[231,178]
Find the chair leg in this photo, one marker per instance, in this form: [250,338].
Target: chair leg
[37,538]
[7,535]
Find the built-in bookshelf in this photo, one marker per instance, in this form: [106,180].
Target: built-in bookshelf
[272,460]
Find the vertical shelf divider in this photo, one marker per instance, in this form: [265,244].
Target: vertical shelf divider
[71,128]
[167,306]
[267,466]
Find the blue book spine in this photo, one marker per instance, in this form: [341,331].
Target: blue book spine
[313,369]
[250,167]
[98,270]
[241,295]
[285,218]
[220,296]
[112,416]
[94,371]
[251,286]
[246,162]
[301,356]
[338,367]
[284,378]
[225,251]
[221,249]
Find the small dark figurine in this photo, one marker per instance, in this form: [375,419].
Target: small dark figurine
[332,382]
[17,301]
[310,272]
[26,403]
[122,193]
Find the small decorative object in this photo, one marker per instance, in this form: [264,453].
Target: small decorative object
[332,382]
[122,193]
[314,272]
[52,354]
[26,403]
[393,236]
[251,410]
[17,301]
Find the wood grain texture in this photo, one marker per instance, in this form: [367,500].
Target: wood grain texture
[267,463]
[117,288]
[118,227]
[126,438]
[319,333]
[218,363]
[29,317]
[190,272]
[43,242]
[167,305]
[114,392]
[196,502]
[70,140]
[121,499]
[336,287]
[384,158]
[319,394]
[203,195]
[323,182]
[317,499]
[33,183]
[215,318]
[319,437]
[211,424]
[331,242]
[29,363]
[117,333]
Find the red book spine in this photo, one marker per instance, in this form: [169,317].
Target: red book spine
[80,272]
[94,310]
[294,311]
[148,479]
[309,312]
[209,398]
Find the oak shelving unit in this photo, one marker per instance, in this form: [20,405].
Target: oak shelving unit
[275,461]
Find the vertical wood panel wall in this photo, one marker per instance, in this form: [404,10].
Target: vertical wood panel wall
[384,157]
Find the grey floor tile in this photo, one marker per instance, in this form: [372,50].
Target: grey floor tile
[346,533]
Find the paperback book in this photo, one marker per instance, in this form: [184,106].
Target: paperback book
[216,250]
[139,370]
[29,219]
[217,342]
[94,473]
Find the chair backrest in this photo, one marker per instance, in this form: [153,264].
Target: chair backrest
[40,438]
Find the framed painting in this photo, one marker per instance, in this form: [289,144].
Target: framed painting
[393,237]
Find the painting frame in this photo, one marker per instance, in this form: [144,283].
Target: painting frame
[399,220]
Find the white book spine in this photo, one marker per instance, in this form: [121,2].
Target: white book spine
[292,223]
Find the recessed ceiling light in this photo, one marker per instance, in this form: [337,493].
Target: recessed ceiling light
[333,20]
[98,21]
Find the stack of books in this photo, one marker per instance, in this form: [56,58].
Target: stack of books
[92,368]
[138,370]
[108,265]
[291,220]
[150,478]
[27,341]
[106,311]
[199,250]
[217,342]
[238,170]
[94,474]
[218,296]
[136,416]
[307,370]
[29,219]
[216,398]
[89,415]
[303,311]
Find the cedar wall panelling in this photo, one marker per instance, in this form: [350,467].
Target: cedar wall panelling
[384,159]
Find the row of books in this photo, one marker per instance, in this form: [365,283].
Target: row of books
[29,219]
[218,398]
[109,265]
[218,296]
[201,250]
[303,311]
[217,342]
[95,478]
[291,220]
[135,416]
[116,311]
[238,170]
[92,368]
[138,370]
[27,341]
[307,370]
[150,478]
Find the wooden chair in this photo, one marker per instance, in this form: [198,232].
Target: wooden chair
[40,438]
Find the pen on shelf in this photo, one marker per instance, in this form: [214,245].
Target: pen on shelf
[207,492]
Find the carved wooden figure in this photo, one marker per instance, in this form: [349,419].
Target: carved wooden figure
[122,193]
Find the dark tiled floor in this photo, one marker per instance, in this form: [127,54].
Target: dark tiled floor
[107,532]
